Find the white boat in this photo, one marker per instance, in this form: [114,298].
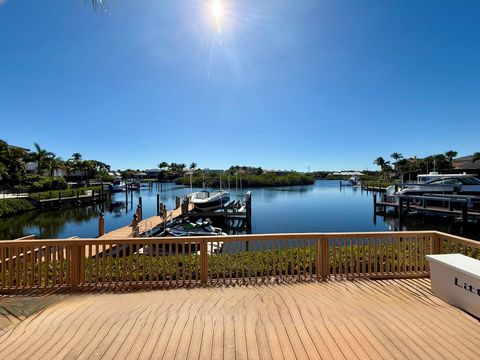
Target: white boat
[460,185]
[434,175]
[210,200]
[354,181]
[118,185]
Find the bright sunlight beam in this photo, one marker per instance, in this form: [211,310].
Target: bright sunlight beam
[217,10]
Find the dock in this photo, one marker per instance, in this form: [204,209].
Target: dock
[461,207]
[148,225]
[77,199]
[142,228]
[235,215]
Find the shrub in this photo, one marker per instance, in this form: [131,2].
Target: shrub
[49,183]
[62,193]
[267,179]
[9,207]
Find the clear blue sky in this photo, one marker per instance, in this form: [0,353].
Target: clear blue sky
[279,84]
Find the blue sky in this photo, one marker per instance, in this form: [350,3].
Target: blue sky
[280,84]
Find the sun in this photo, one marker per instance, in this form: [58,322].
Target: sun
[217,12]
[217,9]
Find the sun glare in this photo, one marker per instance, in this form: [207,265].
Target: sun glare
[217,11]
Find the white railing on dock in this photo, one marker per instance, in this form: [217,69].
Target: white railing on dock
[221,260]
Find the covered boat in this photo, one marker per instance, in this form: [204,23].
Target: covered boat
[209,200]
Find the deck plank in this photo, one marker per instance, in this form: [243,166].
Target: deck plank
[364,319]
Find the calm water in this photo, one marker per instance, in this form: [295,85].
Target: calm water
[322,207]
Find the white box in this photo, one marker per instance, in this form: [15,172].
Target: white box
[456,280]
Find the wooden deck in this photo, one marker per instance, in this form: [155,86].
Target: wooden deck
[364,319]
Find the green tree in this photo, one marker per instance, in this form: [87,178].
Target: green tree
[476,156]
[76,157]
[193,166]
[396,156]
[40,156]
[12,164]
[380,161]
[450,154]
[53,163]
[163,165]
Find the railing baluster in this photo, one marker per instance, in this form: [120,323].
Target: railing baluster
[97,255]
[155,257]
[164,264]
[335,270]
[184,264]
[298,267]
[54,265]
[292,259]
[32,266]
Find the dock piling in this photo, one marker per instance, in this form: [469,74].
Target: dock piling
[464,213]
[101,225]
[248,208]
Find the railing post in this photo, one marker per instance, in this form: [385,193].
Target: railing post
[435,246]
[203,262]
[323,258]
[76,265]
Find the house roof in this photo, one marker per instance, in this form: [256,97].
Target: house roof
[466,163]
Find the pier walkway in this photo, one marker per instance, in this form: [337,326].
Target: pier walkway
[145,225]
[360,319]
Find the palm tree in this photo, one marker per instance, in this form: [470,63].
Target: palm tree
[90,168]
[40,156]
[476,156]
[380,161]
[101,166]
[193,166]
[163,165]
[396,156]
[450,154]
[76,157]
[54,162]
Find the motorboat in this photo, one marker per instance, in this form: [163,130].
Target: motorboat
[354,181]
[434,175]
[187,228]
[118,185]
[209,200]
[133,185]
[184,227]
[458,185]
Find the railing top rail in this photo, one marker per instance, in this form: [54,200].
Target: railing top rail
[250,237]
[473,243]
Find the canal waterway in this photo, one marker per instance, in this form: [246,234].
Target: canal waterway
[322,207]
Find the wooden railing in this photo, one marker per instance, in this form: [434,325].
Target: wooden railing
[244,259]
[448,244]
